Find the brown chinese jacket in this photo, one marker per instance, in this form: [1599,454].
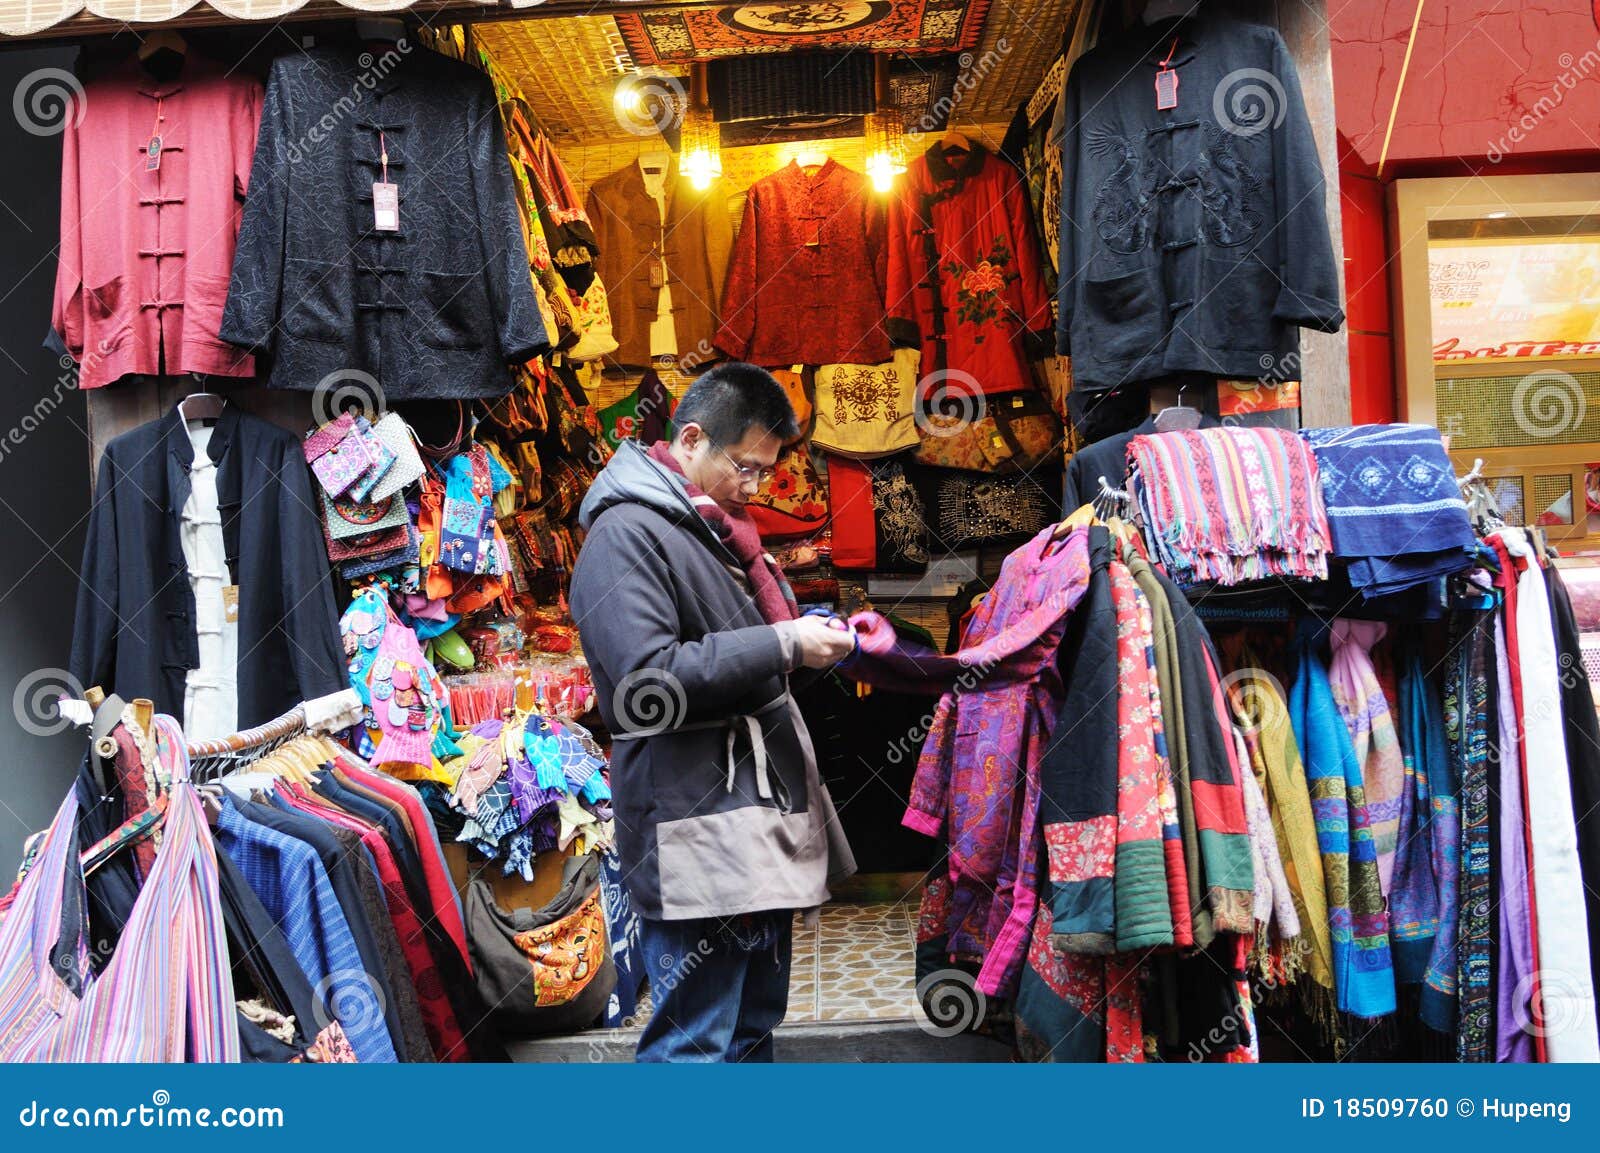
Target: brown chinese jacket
[694,243]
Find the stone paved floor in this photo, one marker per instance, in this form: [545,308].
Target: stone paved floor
[859,964]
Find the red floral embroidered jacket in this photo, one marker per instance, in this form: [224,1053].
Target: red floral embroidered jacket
[980,282]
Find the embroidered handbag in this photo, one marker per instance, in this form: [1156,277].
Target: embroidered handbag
[338,455]
[899,523]
[382,461]
[868,410]
[968,508]
[794,501]
[853,523]
[395,435]
[794,386]
[1017,432]
[546,970]
[347,518]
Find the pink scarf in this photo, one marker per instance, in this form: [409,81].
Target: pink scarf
[739,533]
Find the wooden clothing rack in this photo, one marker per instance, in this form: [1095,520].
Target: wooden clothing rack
[328,714]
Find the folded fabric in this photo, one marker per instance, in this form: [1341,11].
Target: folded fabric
[1394,508]
[1231,504]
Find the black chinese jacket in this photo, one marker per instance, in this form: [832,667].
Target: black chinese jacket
[1193,238]
[437,308]
[134,632]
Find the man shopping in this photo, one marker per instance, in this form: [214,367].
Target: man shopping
[723,824]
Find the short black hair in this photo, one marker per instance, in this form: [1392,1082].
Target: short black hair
[727,401]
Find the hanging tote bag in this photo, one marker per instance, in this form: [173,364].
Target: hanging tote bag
[545,970]
[167,992]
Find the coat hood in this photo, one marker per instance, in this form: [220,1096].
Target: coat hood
[631,477]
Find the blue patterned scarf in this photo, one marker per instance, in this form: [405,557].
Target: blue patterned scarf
[1394,509]
[1357,920]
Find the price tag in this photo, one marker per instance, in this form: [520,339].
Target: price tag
[385,206]
[658,273]
[152,154]
[1166,89]
[230,604]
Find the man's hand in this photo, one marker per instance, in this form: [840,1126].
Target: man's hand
[822,645]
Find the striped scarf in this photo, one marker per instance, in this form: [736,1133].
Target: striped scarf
[1366,714]
[1357,919]
[1230,504]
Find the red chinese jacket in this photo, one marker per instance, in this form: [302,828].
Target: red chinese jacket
[146,253]
[806,282]
[964,266]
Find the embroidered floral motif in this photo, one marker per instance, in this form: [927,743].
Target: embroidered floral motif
[979,288]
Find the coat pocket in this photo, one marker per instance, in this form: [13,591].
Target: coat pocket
[1126,313]
[455,310]
[1238,299]
[316,299]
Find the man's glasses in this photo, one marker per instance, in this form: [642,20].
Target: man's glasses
[747,472]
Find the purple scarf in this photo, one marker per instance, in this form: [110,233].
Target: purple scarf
[736,530]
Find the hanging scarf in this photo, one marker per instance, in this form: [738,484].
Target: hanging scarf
[1423,901]
[1394,509]
[736,530]
[1565,1004]
[1231,504]
[1263,718]
[1358,921]
[1470,730]
[1515,954]
[1366,714]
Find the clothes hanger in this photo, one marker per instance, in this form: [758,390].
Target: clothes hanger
[954,141]
[1178,417]
[162,52]
[1158,10]
[202,406]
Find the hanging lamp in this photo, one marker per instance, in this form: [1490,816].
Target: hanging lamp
[700,146]
[885,132]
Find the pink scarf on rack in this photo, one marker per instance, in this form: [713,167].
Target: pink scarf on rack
[772,593]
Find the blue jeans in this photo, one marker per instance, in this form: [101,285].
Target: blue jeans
[719,987]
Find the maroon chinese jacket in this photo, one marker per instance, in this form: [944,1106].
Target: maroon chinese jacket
[806,282]
[146,254]
[964,266]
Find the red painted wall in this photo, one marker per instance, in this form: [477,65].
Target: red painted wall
[1489,80]
[1494,87]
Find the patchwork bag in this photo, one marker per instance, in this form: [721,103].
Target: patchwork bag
[1018,431]
[394,434]
[868,410]
[346,518]
[338,454]
[546,970]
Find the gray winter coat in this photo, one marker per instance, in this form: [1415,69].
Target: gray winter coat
[720,808]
